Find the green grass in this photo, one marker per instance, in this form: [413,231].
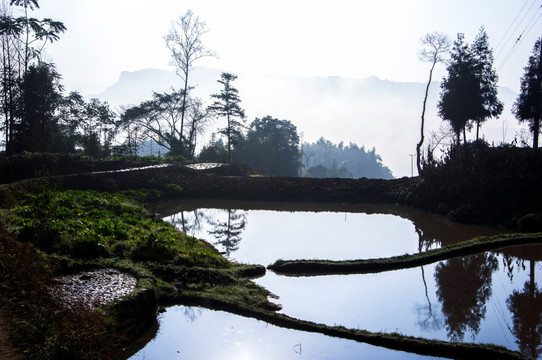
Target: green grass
[89,225]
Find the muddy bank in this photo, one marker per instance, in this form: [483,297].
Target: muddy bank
[496,208]
[224,183]
[29,165]
[93,288]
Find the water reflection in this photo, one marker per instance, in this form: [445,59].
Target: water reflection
[526,307]
[335,231]
[224,226]
[463,288]
[228,233]
[490,298]
[196,333]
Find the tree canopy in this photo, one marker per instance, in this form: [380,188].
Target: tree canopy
[528,106]
[325,159]
[28,85]
[158,119]
[469,91]
[227,105]
[271,147]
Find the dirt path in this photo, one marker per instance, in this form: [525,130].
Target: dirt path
[7,352]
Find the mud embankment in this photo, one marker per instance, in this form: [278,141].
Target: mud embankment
[25,166]
[231,182]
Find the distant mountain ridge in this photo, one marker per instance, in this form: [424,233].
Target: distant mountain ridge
[370,112]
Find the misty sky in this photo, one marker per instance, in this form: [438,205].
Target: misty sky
[286,37]
[258,39]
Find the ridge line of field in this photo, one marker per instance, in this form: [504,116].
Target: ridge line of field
[469,247]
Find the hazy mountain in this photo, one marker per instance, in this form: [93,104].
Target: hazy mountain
[136,86]
[370,112]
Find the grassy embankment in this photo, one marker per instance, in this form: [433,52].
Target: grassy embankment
[469,247]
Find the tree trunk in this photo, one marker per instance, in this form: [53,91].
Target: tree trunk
[419,145]
[229,140]
[538,108]
[535,135]
[183,110]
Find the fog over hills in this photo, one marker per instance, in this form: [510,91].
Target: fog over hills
[370,112]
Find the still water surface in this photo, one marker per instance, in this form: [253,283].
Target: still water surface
[485,298]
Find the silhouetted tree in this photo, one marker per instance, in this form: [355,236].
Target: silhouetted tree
[487,78]
[133,136]
[89,125]
[41,94]
[186,46]
[435,50]
[23,40]
[271,147]
[36,31]
[459,100]
[227,105]
[159,119]
[469,92]
[10,31]
[528,105]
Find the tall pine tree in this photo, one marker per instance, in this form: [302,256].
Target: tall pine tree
[459,100]
[227,105]
[528,105]
[469,92]
[487,77]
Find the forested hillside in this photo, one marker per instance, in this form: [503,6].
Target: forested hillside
[325,159]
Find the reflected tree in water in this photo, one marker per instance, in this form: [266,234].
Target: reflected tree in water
[526,307]
[463,288]
[427,319]
[228,233]
[189,222]
[192,313]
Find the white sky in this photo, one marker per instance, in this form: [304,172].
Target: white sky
[348,38]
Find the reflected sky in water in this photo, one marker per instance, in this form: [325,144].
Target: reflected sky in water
[268,235]
[485,298]
[197,333]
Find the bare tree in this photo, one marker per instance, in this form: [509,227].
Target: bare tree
[186,46]
[435,48]
[440,140]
